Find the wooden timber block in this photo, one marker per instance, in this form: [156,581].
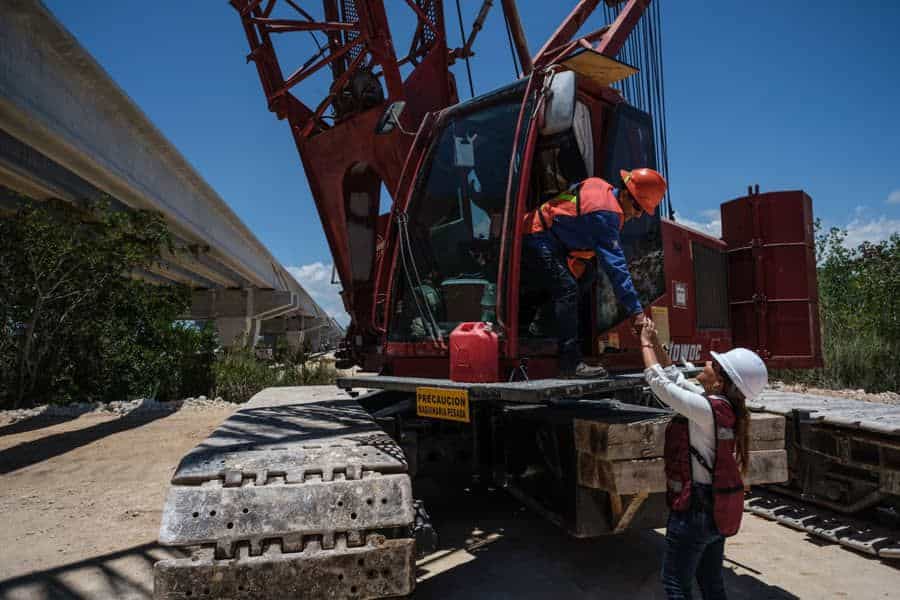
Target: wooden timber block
[646,439]
[632,476]
[766,431]
[622,476]
[621,441]
[767,466]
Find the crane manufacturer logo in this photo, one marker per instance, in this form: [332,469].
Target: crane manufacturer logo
[689,352]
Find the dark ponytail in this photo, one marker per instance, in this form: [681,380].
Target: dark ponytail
[741,425]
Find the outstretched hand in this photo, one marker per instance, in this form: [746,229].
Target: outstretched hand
[638,322]
[649,333]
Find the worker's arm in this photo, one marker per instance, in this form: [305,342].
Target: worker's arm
[612,259]
[677,377]
[692,405]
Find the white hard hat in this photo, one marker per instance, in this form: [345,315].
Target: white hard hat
[745,369]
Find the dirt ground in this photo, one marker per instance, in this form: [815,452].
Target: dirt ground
[81,501]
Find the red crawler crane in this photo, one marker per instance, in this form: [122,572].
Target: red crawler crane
[346,163]
[331,482]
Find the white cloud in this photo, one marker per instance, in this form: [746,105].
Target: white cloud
[859,230]
[894,197]
[874,230]
[711,224]
[316,279]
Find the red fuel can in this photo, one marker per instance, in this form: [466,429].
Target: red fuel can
[474,353]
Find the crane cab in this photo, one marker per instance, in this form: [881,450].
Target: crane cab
[455,238]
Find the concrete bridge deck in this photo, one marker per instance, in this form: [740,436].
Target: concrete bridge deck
[68,130]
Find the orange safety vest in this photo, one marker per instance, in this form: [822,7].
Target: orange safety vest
[591,195]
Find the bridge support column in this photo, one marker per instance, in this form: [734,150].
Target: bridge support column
[235,331]
[239,313]
[293,331]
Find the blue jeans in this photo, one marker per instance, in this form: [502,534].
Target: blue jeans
[551,272]
[694,548]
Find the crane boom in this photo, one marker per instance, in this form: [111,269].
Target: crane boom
[347,166]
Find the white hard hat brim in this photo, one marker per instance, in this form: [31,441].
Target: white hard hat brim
[732,374]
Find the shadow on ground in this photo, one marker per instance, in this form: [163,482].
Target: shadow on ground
[490,547]
[41,449]
[35,422]
[125,575]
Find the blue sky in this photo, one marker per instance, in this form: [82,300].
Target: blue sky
[784,94]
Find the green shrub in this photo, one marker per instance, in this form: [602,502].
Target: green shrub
[239,373]
[73,325]
[859,312]
[187,368]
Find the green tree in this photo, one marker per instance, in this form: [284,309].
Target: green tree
[76,323]
[859,300]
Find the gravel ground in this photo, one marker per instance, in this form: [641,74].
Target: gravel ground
[124,407]
[81,500]
[882,397]
[147,405]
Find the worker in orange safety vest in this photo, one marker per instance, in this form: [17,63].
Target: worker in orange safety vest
[564,234]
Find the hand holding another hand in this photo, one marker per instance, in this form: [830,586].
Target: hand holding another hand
[649,333]
[637,322]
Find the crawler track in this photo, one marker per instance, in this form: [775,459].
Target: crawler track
[299,494]
[856,533]
[844,471]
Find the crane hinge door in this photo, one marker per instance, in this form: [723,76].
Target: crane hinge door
[772,290]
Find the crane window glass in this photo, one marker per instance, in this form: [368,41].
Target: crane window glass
[450,241]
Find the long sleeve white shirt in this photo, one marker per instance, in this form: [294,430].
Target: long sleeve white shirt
[687,398]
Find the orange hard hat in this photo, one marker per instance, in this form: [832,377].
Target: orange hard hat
[647,186]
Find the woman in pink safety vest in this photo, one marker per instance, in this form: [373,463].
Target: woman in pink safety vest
[706,456]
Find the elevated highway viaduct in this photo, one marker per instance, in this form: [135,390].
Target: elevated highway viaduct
[68,131]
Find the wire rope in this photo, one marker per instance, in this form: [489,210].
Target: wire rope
[512,50]
[462,42]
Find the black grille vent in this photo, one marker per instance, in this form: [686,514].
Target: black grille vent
[710,287]
[348,14]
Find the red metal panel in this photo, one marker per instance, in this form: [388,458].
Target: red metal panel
[687,341]
[340,152]
[773,293]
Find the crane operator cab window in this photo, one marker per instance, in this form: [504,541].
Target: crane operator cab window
[449,240]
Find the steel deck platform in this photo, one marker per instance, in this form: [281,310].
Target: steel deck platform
[535,391]
[840,412]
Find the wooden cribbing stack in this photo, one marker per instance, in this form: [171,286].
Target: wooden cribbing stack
[626,459]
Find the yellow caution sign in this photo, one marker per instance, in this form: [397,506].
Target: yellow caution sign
[439,403]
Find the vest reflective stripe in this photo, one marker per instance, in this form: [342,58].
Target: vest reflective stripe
[593,195]
[545,214]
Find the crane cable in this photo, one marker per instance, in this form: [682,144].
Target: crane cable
[462,41]
[408,262]
[512,50]
[646,90]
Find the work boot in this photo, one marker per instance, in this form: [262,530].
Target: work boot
[585,371]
